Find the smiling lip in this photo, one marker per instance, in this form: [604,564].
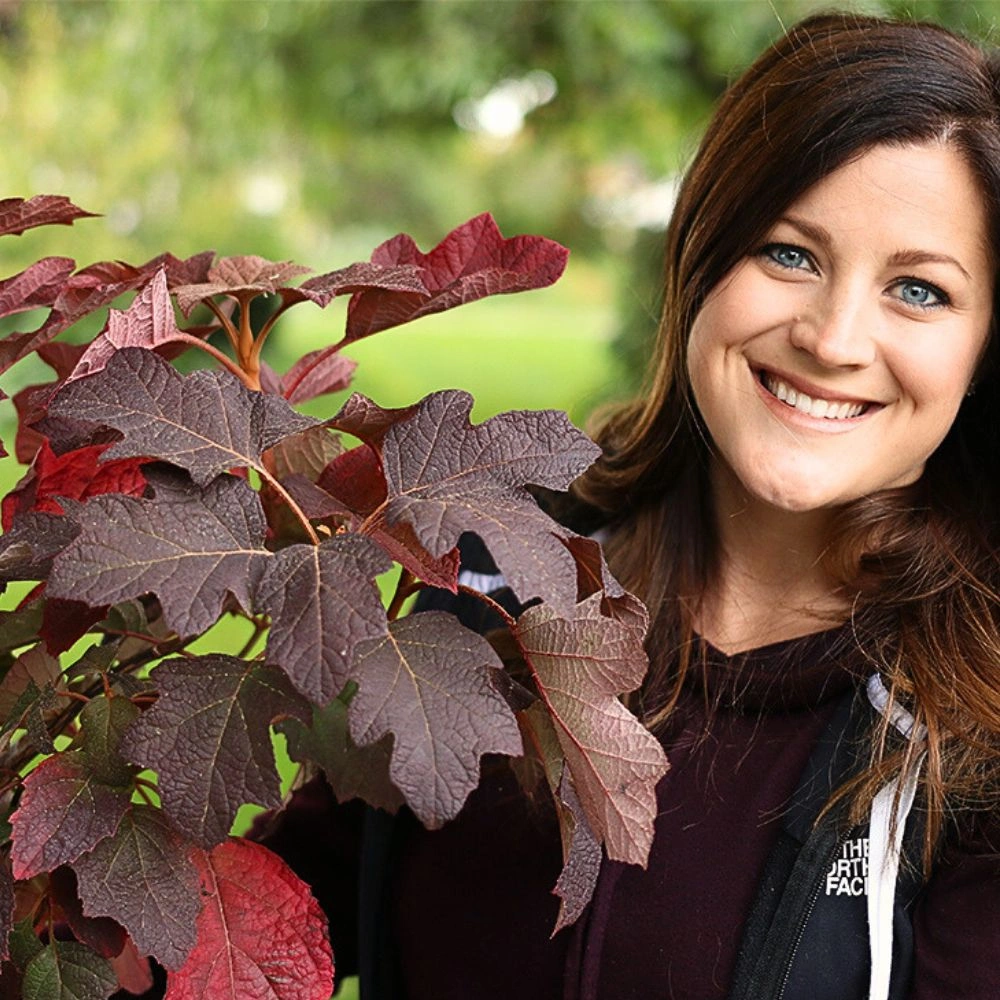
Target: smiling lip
[811,406]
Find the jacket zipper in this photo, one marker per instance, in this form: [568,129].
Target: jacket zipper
[804,920]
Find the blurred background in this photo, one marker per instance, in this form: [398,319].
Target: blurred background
[313,129]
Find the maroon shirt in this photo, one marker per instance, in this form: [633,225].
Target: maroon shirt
[472,909]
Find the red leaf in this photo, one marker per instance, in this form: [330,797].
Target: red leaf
[17,215]
[75,475]
[63,622]
[471,262]
[83,293]
[104,935]
[261,935]
[63,813]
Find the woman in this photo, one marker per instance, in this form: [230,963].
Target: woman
[807,499]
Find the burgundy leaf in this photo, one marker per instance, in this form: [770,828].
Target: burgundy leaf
[323,601]
[261,935]
[445,476]
[240,277]
[75,475]
[133,971]
[471,262]
[17,215]
[36,287]
[428,683]
[63,812]
[149,322]
[191,550]
[358,278]
[208,738]
[145,878]
[581,663]
[352,772]
[316,374]
[207,422]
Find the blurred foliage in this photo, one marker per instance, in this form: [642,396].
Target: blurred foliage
[312,129]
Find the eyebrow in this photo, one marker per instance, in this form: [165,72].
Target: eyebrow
[901,258]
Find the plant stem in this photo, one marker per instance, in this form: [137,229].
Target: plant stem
[219,356]
[407,585]
[294,507]
[226,322]
[508,619]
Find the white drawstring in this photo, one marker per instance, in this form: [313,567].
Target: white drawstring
[885,841]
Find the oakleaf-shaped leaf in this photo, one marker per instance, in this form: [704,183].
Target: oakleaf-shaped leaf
[207,422]
[149,322]
[36,287]
[352,772]
[445,476]
[64,811]
[261,935]
[208,738]
[145,878]
[428,683]
[471,262]
[241,277]
[582,854]
[66,970]
[581,663]
[323,601]
[17,215]
[189,548]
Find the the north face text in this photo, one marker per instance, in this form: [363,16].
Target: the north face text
[848,875]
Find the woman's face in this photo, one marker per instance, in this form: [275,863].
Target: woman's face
[831,361]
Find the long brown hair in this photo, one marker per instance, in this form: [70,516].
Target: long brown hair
[922,562]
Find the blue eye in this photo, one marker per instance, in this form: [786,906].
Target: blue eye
[785,255]
[920,294]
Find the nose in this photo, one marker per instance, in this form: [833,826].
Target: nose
[838,330]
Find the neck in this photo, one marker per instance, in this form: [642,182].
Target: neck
[769,582]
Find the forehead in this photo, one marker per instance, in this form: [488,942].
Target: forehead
[924,196]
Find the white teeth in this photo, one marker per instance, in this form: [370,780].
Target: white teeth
[825,408]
